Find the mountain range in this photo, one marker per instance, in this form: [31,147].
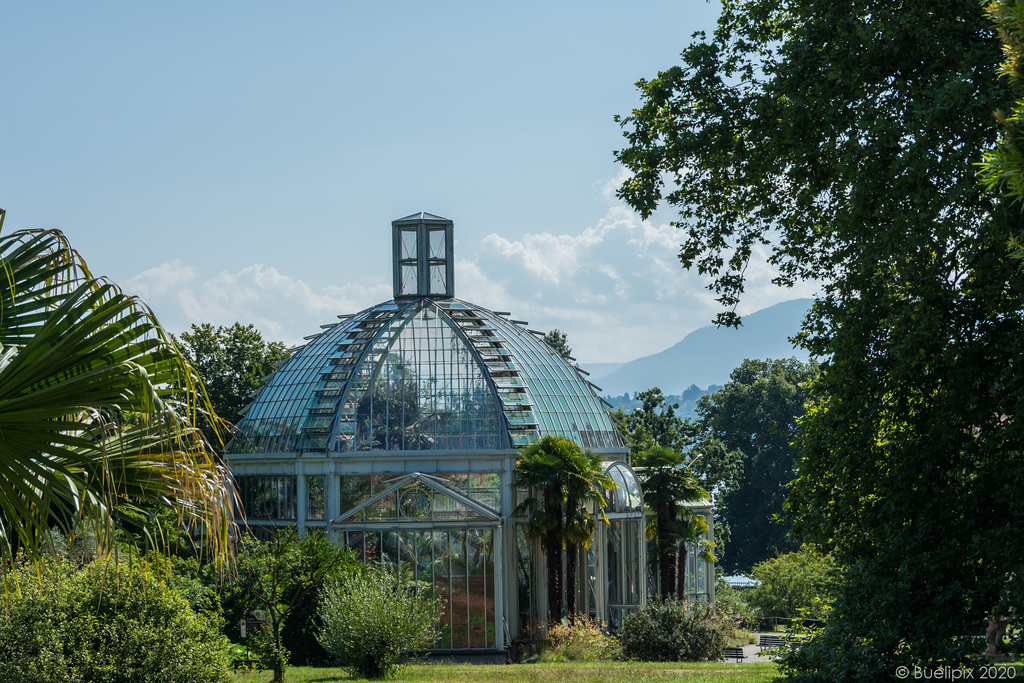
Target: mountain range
[707,355]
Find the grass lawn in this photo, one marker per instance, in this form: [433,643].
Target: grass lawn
[607,672]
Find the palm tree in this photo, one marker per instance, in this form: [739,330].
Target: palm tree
[667,487]
[537,471]
[96,404]
[584,481]
[566,479]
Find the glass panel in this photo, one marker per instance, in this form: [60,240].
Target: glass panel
[408,244]
[407,284]
[385,508]
[631,561]
[267,497]
[438,279]
[614,562]
[524,577]
[424,390]
[315,496]
[437,250]
[353,489]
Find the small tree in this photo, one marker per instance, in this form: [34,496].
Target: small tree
[370,620]
[281,574]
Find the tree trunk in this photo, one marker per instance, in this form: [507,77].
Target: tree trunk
[553,541]
[666,556]
[681,588]
[571,559]
[275,623]
[554,564]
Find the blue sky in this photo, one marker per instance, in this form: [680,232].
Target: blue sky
[243,161]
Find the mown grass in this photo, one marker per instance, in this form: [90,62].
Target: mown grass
[563,672]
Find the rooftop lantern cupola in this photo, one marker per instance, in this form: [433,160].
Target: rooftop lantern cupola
[423,256]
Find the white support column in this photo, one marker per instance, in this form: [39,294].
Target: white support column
[301,498]
[499,592]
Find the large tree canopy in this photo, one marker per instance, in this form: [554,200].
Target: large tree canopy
[232,362]
[755,414]
[844,137]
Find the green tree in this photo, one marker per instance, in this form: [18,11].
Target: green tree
[655,423]
[842,140]
[795,584]
[756,414]
[559,341]
[232,362]
[369,621]
[560,479]
[667,487]
[86,410]
[282,575]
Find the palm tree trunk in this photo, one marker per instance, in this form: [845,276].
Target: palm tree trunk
[666,557]
[571,557]
[666,552]
[553,541]
[681,588]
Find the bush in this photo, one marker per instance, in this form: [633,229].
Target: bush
[581,640]
[369,621]
[672,631]
[104,622]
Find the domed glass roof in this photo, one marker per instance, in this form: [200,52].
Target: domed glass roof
[424,372]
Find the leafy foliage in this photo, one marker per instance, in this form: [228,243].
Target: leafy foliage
[370,621]
[673,631]
[1003,169]
[756,416]
[559,341]
[843,137]
[88,413]
[284,576]
[566,479]
[232,362]
[796,584]
[654,424]
[104,623]
[580,639]
[667,487]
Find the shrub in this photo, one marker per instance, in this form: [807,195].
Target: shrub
[581,640]
[104,622]
[672,631]
[369,621]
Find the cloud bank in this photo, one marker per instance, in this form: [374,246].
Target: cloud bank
[616,288]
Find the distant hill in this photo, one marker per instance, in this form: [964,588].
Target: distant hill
[599,370]
[707,355]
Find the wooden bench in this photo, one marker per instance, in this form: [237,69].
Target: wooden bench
[733,653]
[770,641]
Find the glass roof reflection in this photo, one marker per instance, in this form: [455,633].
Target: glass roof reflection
[424,375]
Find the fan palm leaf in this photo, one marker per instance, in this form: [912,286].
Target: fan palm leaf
[96,403]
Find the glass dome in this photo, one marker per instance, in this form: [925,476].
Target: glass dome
[424,374]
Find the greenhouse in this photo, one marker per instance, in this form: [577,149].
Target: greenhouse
[396,430]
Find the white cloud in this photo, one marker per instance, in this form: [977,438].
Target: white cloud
[282,307]
[161,279]
[617,288]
